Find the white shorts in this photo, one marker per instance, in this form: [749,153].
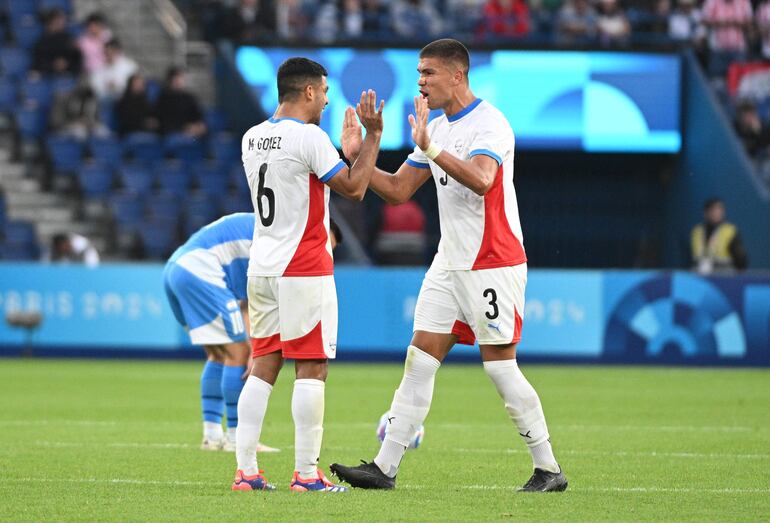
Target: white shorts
[485,305]
[294,315]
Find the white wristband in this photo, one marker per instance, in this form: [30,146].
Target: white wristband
[432,151]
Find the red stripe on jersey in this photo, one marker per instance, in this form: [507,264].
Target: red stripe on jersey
[311,257]
[499,246]
[262,346]
[464,333]
[517,326]
[307,347]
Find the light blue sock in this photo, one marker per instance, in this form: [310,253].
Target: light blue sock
[231,390]
[212,404]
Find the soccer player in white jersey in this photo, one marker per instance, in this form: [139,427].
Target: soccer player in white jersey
[290,164]
[475,285]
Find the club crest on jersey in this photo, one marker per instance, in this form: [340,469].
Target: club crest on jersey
[459,146]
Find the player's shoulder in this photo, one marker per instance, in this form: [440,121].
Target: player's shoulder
[491,114]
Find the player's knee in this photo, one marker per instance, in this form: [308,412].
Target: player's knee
[214,353]
[267,367]
[312,369]
[237,354]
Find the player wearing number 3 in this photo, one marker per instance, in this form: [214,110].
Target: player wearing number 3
[474,289]
[290,165]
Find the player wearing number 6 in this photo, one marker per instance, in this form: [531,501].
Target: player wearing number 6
[290,165]
[474,289]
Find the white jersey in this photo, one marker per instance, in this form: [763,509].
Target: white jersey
[287,162]
[477,232]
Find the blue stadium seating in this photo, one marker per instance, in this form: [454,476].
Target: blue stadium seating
[159,238]
[215,121]
[31,122]
[63,84]
[127,209]
[27,31]
[137,178]
[66,153]
[38,90]
[211,179]
[108,116]
[19,232]
[64,5]
[145,147]
[224,148]
[14,61]
[200,205]
[163,206]
[106,149]
[8,95]
[237,202]
[174,177]
[96,180]
[183,147]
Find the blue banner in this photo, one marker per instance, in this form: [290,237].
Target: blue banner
[609,316]
[590,101]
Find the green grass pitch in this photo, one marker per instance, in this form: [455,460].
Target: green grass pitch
[115,440]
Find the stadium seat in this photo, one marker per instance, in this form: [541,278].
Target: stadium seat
[237,202]
[27,31]
[38,90]
[96,180]
[31,122]
[127,209]
[19,232]
[183,147]
[145,147]
[136,178]
[174,177]
[63,84]
[215,121]
[15,251]
[19,8]
[8,95]
[108,116]
[163,206]
[158,238]
[201,205]
[45,5]
[211,179]
[107,150]
[66,153]
[153,90]
[225,148]
[14,61]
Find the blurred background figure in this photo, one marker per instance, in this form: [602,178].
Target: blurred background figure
[178,109]
[92,42]
[505,19]
[715,244]
[56,50]
[754,134]
[250,21]
[415,19]
[576,22]
[612,23]
[76,114]
[109,81]
[134,111]
[68,247]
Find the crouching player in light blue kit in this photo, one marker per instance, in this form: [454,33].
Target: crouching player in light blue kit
[205,282]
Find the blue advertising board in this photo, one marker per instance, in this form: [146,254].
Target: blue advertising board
[568,100]
[602,316]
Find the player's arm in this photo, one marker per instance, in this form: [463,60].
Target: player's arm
[477,173]
[352,182]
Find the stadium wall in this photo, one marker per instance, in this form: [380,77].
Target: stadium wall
[713,163]
[571,316]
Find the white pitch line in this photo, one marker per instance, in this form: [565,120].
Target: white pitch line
[176,483]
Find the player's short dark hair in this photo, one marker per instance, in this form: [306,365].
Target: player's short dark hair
[448,49]
[336,231]
[295,74]
[711,202]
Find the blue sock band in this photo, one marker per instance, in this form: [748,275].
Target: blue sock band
[212,404]
[231,390]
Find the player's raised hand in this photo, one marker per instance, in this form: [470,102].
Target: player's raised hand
[368,112]
[351,135]
[419,123]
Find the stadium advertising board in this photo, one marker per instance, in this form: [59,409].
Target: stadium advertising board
[612,316]
[589,101]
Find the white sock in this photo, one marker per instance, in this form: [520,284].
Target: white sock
[523,405]
[307,409]
[231,434]
[212,431]
[410,407]
[252,405]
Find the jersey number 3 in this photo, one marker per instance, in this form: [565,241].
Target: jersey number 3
[266,212]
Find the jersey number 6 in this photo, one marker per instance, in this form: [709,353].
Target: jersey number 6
[265,192]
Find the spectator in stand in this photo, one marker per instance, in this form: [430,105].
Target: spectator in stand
[376,19]
[763,26]
[250,21]
[339,20]
[505,19]
[612,24]
[576,23]
[728,23]
[291,20]
[685,23]
[69,247]
[177,108]
[92,42]
[715,244]
[134,111]
[109,82]
[56,52]
[76,114]
[415,19]
[753,133]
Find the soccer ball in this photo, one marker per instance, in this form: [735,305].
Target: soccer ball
[383,425]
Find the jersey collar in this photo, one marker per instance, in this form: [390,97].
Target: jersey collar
[464,111]
[276,120]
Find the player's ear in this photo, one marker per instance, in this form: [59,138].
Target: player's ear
[309,92]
